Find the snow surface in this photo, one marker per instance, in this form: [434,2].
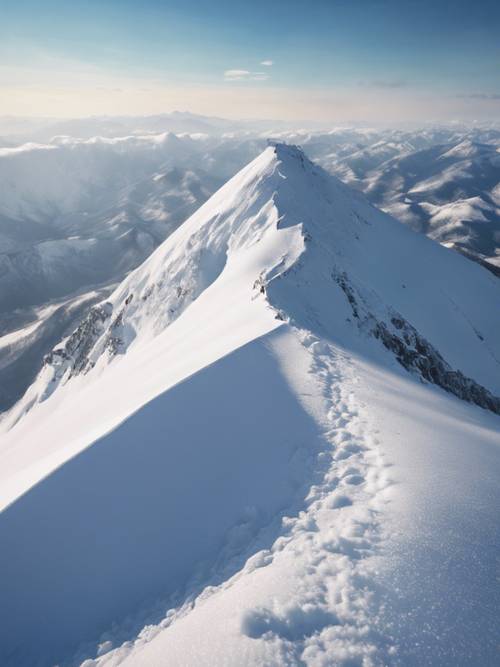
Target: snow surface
[244,474]
[387,564]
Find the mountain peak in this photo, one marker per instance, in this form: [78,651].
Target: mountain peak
[292,157]
[179,420]
[285,151]
[469,149]
[284,216]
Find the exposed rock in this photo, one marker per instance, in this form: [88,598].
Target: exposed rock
[74,354]
[416,354]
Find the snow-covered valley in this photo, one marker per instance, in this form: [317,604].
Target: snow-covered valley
[276,442]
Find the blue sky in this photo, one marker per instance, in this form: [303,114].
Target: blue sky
[335,58]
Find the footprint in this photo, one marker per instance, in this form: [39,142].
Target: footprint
[293,623]
[351,470]
[354,480]
[339,501]
[346,452]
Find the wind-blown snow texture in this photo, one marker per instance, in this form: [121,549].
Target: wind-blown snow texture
[253,451]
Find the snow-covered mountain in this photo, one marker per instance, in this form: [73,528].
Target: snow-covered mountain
[451,193]
[78,214]
[443,182]
[276,442]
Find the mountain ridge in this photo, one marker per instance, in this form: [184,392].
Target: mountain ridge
[196,263]
[247,341]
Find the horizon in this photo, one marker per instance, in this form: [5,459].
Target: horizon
[237,123]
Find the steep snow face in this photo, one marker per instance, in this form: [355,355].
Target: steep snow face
[210,271]
[386,274]
[217,386]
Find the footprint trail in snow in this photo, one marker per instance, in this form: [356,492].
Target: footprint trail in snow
[327,612]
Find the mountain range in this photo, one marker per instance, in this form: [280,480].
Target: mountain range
[78,214]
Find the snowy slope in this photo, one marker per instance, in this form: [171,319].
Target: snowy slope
[238,473]
[389,562]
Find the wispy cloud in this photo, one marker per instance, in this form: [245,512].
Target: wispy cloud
[480,96]
[267,63]
[236,74]
[244,75]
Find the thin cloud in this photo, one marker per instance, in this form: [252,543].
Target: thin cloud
[235,74]
[267,63]
[480,96]
[244,75]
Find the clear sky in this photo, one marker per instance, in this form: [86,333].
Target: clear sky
[333,60]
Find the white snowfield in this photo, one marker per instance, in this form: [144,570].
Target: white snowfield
[227,464]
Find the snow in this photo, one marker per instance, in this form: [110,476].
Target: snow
[440,562]
[147,519]
[379,571]
[247,475]
[15,337]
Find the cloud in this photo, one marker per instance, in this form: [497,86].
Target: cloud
[244,75]
[236,74]
[267,63]
[480,96]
